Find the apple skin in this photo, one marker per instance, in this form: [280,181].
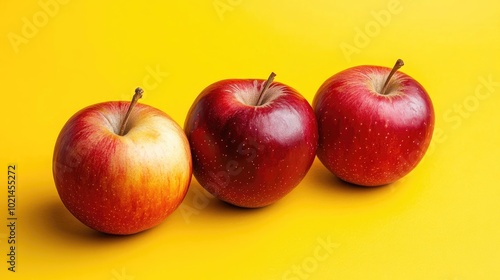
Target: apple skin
[121,184]
[367,138]
[246,155]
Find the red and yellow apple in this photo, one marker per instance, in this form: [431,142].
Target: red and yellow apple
[252,141]
[375,124]
[121,167]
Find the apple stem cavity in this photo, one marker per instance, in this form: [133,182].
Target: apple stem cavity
[138,95]
[399,63]
[265,88]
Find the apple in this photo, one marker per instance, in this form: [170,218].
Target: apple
[252,141]
[375,124]
[121,167]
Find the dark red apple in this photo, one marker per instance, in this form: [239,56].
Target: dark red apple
[252,141]
[375,124]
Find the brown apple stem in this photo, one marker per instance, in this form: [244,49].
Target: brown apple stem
[265,88]
[399,63]
[138,95]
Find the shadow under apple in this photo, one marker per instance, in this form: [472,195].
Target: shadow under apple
[199,203]
[326,184]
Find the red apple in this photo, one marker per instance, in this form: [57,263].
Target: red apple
[252,141]
[375,124]
[119,170]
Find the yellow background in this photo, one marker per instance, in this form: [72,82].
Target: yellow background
[442,221]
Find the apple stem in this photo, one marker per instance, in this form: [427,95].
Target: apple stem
[265,88]
[399,63]
[138,95]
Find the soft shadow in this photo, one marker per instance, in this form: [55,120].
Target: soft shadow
[322,179]
[200,200]
[52,217]
[220,206]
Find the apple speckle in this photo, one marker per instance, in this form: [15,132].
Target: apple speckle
[266,174]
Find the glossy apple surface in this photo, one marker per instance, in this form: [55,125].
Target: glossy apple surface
[121,184]
[251,146]
[370,135]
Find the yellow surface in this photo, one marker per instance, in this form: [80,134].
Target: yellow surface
[442,221]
